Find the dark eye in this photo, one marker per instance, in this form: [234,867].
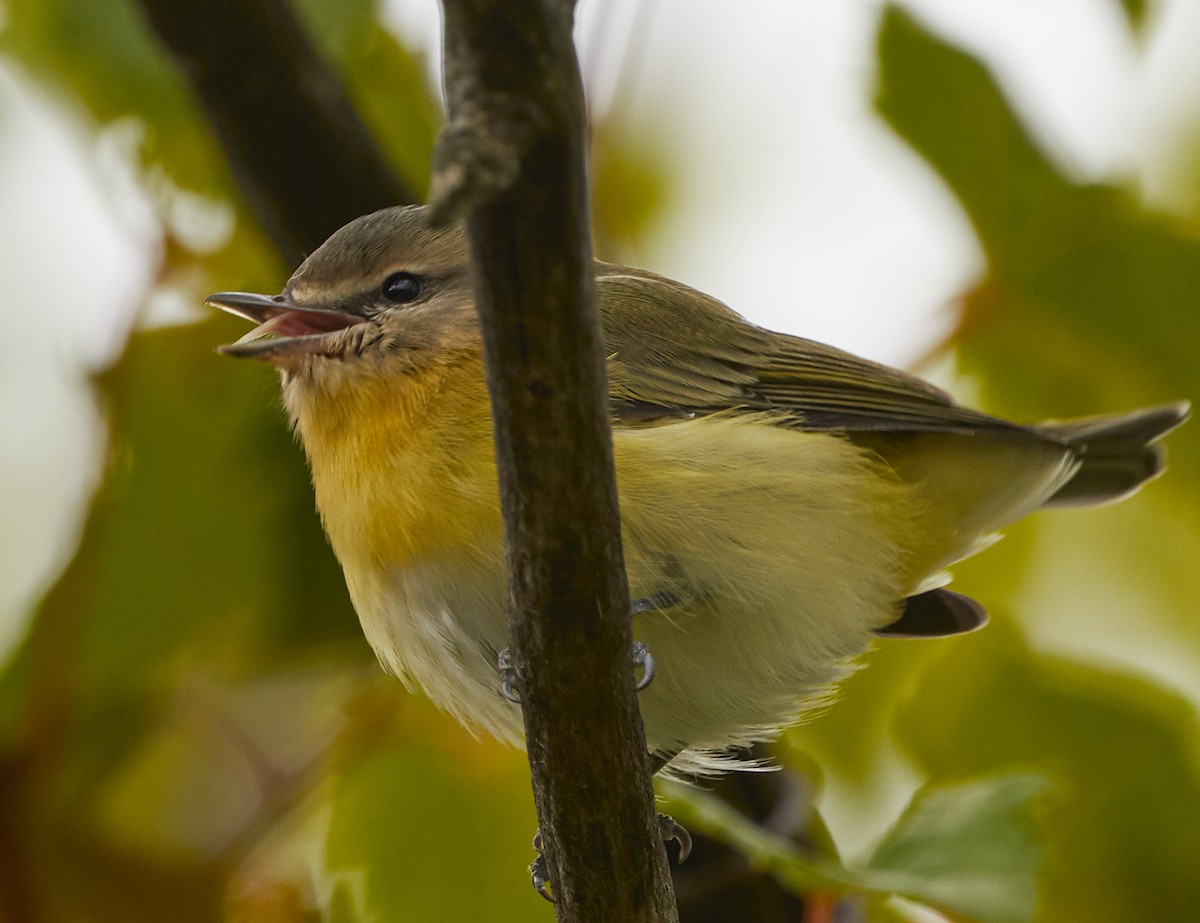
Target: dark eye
[402,287]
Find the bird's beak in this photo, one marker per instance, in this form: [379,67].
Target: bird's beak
[295,328]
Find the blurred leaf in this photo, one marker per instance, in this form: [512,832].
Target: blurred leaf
[101,54]
[946,105]
[201,557]
[1135,12]
[338,25]
[385,79]
[1097,568]
[1089,304]
[184,558]
[1088,295]
[880,912]
[105,55]
[416,834]
[631,187]
[702,812]
[1123,831]
[223,759]
[176,556]
[969,848]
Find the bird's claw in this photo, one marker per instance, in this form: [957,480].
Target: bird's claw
[670,830]
[508,671]
[644,659]
[664,599]
[539,874]
[508,676]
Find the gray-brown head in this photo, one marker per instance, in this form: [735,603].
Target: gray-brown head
[383,285]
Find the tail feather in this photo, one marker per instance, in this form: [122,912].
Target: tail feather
[1118,453]
[936,614]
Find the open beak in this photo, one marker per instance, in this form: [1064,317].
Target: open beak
[293,329]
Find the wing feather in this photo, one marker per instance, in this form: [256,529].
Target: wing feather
[673,350]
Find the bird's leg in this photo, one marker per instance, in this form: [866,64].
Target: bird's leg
[669,830]
[508,676]
[641,654]
[667,827]
[644,659]
[539,872]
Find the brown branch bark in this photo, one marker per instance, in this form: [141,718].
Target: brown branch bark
[301,156]
[514,157]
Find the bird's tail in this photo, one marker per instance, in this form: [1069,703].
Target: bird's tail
[1118,452]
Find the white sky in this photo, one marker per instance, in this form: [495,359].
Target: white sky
[798,207]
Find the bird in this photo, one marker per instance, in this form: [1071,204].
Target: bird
[783,503]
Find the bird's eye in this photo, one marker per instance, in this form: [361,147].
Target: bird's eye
[402,287]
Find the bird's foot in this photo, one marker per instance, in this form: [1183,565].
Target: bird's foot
[508,676]
[505,662]
[669,830]
[644,659]
[539,872]
[655,602]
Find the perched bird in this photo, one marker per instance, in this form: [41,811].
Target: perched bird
[782,502]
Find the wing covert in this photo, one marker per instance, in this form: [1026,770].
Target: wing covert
[676,351]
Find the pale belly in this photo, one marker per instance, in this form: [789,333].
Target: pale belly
[779,547]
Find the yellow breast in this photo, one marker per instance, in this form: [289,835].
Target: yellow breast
[403,464]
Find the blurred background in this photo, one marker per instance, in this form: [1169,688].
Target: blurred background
[1000,194]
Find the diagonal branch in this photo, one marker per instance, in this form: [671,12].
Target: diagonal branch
[514,156]
[300,154]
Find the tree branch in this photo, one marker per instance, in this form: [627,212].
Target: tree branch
[301,156]
[514,157]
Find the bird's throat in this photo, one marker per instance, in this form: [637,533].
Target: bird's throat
[403,465]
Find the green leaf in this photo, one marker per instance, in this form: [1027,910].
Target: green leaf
[946,105]
[387,81]
[104,54]
[385,78]
[1123,830]
[969,848]
[201,571]
[1089,300]
[1136,12]
[101,57]
[418,834]
[703,812]
[632,187]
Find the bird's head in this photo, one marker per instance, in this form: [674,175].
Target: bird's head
[386,294]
